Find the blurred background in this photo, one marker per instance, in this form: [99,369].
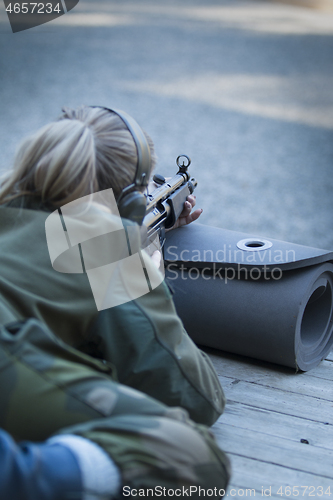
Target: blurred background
[244,87]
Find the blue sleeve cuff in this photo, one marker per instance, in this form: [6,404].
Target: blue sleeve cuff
[38,471]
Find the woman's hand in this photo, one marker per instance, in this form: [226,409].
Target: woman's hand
[187,216]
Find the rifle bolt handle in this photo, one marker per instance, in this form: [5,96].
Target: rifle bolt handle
[159,179]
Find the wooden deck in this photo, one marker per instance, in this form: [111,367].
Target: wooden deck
[277,428]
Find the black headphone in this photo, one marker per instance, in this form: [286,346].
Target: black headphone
[132,202]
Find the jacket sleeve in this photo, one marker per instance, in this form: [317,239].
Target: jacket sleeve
[37,472]
[146,342]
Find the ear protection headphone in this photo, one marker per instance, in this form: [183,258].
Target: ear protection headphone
[132,202]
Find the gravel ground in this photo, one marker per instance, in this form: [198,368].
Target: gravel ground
[245,88]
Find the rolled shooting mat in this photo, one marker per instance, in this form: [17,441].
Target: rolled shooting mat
[280,312]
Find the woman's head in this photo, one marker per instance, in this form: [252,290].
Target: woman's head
[87,150]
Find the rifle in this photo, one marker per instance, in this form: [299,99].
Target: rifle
[166,203]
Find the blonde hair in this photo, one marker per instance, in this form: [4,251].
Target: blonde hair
[85,151]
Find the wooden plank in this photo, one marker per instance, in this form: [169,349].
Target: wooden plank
[277,424]
[269,410]
[266,477]
[287,403]
[323,370]
[279,451]
[279,378]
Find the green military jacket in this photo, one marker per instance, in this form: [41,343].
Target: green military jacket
[143,339]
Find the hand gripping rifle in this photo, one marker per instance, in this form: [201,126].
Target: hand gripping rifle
[166,203]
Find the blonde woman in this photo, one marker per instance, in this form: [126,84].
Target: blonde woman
[126,377]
